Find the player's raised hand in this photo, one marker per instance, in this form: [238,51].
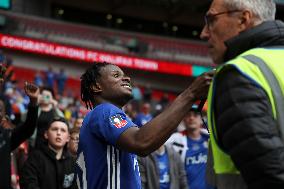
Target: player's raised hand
[32,91]
[200,85]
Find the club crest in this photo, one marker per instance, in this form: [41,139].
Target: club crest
[118,121]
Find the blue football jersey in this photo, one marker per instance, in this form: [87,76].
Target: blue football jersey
[164,170]
[195,162]
[100,165]
[141,119]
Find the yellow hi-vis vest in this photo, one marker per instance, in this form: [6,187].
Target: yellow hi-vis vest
[273,58]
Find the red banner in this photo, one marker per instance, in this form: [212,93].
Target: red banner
[86,55]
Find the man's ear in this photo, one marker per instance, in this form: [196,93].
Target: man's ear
[247,20]
[96,88]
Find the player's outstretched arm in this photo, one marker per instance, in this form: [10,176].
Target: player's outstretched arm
[152,135]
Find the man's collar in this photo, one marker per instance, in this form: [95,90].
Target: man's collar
[263,35]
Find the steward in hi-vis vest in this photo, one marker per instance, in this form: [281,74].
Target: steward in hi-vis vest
[246,64]
[245,100]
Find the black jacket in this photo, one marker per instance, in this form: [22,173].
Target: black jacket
[243,114]
[43,171]
[10,139]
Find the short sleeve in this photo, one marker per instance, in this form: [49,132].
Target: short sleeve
[110,122]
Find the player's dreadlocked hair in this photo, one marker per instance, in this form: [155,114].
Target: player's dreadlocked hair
[88,79]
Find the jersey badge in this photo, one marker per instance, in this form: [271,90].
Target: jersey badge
[118,121]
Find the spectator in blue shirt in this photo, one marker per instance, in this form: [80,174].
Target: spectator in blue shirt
[144,115]
[49,78]
[60,81]
[192,144]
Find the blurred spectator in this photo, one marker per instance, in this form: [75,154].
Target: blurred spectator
[68,112]
[49,78]
[143,48]
[132,45]
[76,109]
[66,100]
[74,140]
[2,57]
[147,95]
[38,80]
[157,110]
[47,111]
[136,92]
[144,115]
[51,166]
[161,105]
[10,72]
[17,102]
[10,138]
[130,110]
[60,81]
[164,101]
[18,105]
[163,169]
[192,144]
[78,122]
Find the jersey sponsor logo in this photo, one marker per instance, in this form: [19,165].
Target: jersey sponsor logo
[118,121]
[165,178]
[199,159]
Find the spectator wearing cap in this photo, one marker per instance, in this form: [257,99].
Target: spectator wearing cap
[51,166]
[192,145]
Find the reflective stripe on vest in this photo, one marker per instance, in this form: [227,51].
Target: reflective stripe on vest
[274,60]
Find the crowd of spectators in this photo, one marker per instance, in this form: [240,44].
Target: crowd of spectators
[42,139]
[46,158]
